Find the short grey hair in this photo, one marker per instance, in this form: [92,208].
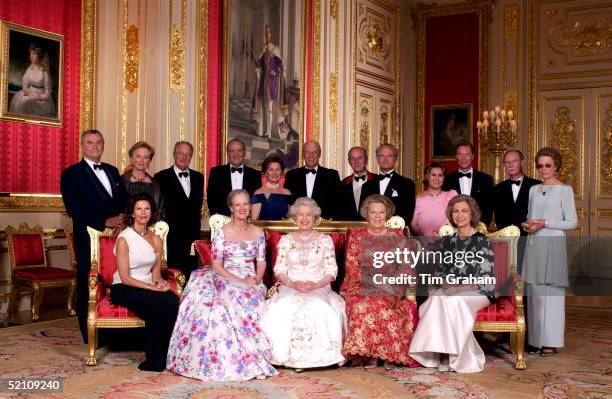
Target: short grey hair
[304,201]
[234,193]
[387,145]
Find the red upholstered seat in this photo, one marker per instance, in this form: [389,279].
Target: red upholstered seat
[502,310]
[108,263]
[107,309]
[44,273]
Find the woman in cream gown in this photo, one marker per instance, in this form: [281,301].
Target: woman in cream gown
[305,321]
[35,96]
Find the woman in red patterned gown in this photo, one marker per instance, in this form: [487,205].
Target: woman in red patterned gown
[381,321]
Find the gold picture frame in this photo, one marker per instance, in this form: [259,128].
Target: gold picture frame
[31,82]
[245,40]
[449,124]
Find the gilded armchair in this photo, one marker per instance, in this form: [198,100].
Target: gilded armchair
[102,313]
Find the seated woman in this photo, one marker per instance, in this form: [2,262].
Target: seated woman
[305,321]
[444,336]
[381,321]
[138,285]
[217,335]
[271,201]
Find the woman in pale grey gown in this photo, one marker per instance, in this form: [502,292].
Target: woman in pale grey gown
[34,98]
[551,212]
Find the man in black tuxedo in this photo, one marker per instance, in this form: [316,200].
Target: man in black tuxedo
[183,191]
[232,176]
[511,196]
[399,189]
[316,182]
[353,183]
[469,181]
[94,196]
[511,201]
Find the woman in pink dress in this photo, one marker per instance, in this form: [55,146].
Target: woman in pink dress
[430,210]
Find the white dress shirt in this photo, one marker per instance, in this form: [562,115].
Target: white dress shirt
[310,180]
[384,183]
[237,177]
[515,188]
[101,174]
[185,181]
[465,183]
[357,185]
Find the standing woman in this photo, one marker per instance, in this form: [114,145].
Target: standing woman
[217,335]
[430,209]
[138,285]
[271,201]
[551,211]
[138,180]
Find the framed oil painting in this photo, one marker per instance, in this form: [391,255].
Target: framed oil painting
[263,78]
[31,75]
[450,125]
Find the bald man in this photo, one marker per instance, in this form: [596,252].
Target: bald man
[314,181]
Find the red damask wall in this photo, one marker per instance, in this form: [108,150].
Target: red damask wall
[451,69]
[32,157]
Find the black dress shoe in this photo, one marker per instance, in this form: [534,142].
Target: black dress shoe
[531,349]
[148,365]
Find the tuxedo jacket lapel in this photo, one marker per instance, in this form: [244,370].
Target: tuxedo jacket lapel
[96,182]
[523,192]
[177,183]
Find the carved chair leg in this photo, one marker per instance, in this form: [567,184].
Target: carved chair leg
[92,342]
[512,344]
[71,292]
[12,302]
[37,295]
[520,351]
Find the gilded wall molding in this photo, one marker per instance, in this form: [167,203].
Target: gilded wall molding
[177,59]
[315,118]
[121,149]
[510,84]
[89,59]
[201,87]
[364,124]
[587,36]
[564,139]
[605,154]
[18,202]
[420,13]
[333,97]
[132,58]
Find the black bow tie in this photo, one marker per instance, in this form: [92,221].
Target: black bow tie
[239,170]
[313,171]
[517,182]
[97,166]
[183,174]
[385,176]
[362,177]
[468,175]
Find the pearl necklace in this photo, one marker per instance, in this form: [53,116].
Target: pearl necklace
[271,185]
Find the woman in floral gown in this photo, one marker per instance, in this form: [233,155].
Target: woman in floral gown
[217,336]
[381,321]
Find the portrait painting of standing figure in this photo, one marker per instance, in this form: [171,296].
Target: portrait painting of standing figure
[32,67]
[263,78]
[450,125]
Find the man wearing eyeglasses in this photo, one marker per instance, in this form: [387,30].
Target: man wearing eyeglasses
[232,176]
[511,196]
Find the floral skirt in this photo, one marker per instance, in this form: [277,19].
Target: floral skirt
[217,335]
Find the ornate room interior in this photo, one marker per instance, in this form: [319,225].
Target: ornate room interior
[360,73]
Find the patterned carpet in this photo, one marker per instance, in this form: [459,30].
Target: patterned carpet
[581,370]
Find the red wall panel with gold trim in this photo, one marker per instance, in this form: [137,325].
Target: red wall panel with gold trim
[32,157]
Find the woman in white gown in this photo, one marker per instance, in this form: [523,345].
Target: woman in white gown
[305,321]
[34,98]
